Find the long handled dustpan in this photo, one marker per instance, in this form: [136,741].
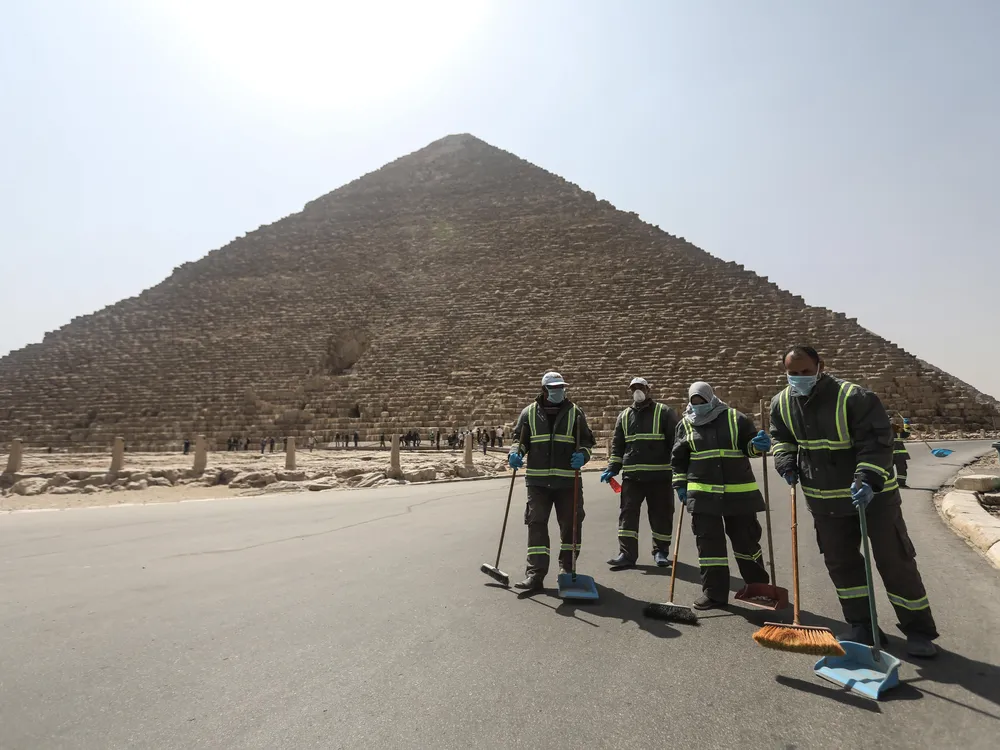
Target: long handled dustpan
[765,595]
[572,585]
[938,452]
[865,670]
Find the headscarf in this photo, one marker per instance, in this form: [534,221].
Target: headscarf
[703,389]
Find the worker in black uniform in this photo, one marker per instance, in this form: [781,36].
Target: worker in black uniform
[547,431]
[900,456]
[644,436]
[714,481]
[835,438]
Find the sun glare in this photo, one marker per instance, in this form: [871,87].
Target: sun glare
[329,55]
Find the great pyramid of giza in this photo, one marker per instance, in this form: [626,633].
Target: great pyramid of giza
[434,292]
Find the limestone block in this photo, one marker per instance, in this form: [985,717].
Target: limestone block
[994,554]
[991,499]
[978,483]
[395,472]
[290,454]
[117,456]
[966,515]
[140,485]
[65,490]
[200,455]
[325,483]
[425,474]
[15,459]
[468,450]
[29,487]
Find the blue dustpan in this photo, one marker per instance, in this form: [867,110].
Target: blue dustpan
[581,588]
[858,670]
[941,452]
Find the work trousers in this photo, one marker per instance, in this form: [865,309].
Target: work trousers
[899,460]
[710,533]
[536,518]
[659,497]
[839,539]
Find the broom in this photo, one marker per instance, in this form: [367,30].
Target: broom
[801,639]
[668,610]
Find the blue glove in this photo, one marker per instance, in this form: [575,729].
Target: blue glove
[761,442]
[515,460]
[791,477]
[577,460]
[608,473]
[862,494]
[682,494]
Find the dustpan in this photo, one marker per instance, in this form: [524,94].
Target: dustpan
[860,670]
[865,670]
[572,585]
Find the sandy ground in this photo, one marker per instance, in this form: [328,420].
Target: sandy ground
[62,479]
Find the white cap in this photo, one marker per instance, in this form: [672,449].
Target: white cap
[638,381]
[553,379]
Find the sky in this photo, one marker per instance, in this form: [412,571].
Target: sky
[848,150]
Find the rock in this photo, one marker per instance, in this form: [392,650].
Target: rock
[159,482]
[139,476]
[59,480]
[425,474]
[468,471]
[29,487]
[253,479]
[314,475]
[325,483]
[282,486]
[978,483]
[367,480]
[171,475]
[990,498]
[227,475]
[349,472]
[290,476]
[78,475]
[90,490]
[140,485]
[64,490]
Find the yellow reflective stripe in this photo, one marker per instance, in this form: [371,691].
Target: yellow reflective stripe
[903,452]
[532,426]
[544,438]
[623,418]
[784,408]
[615,460]
[846,389]
[853,592]
[825,445]
[690,434]
[647,467]
[891,485]
[662,537]
[536,472]
[570,422]
[569,547]
[645,436]
[626,533]
[779,448]
[586,451]
[570,473]
[825,494]
[721,488]
[873,467]
[538,550]
[713,562]
[733,428]
[563,439]
[718,453]
[752,558]
[913,605]
[657,411]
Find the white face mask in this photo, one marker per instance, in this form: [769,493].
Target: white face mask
[638,396]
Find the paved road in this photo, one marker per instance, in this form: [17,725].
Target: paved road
[361,620]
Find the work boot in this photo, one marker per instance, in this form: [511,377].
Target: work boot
[531,583]
[706,602]
[621,562]
[862,633]
[920,646]
[661,559]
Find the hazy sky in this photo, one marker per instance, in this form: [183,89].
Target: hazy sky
[850,151]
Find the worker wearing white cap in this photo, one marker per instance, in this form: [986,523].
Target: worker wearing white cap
[644,436]
[552,432]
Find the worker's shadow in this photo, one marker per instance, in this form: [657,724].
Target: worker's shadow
[978,677]
[617,606]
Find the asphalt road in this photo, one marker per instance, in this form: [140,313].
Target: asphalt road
[361,620]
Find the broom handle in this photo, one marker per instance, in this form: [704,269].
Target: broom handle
[767,498]
[677,548]
[795,558]
[576,500]
[876,653]
[503,529]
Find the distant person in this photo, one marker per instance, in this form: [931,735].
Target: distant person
[270,443]
[187,446]
[381,440]
[263,445]
[355,438]
[336,440]
[499,437]
[438,439]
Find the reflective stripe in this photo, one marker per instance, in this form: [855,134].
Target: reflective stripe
[913,605]
[713,562]
[647,467]
[853,592]
[872,467]
[733,427]
[846,389]
[901,476]
[615,459]
[903,452]
[778,448]
[628,534]
[569,547]
[720,488]
[538,550]
[662,537]
[826,494]
[752,558]
[825,445]
[567,473]
[718,453]
[785,410]
[689,431]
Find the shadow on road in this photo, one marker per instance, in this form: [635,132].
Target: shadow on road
[841,695]
[618,606]
[949,668]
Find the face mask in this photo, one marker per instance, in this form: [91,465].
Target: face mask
[556,395]
[700,410]
[638,396]
[803,384]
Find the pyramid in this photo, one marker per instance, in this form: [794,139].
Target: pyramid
[434,292]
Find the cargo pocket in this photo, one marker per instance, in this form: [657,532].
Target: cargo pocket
[904,539]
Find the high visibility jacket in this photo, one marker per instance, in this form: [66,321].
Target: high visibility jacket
[899,447]
[712,462]
[837,432]
[549,444]
[644,437]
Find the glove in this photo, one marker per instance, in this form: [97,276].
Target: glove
[761,442]
[862,494]
[515,460]
[791,477]
[682,495]
[608,473]
[577,460]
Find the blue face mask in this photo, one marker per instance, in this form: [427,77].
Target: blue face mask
[803,384]
[556,395]
[700,410]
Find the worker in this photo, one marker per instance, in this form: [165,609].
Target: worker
[552,431]
[834,437]
[900,456]
[714,481]
[644,436]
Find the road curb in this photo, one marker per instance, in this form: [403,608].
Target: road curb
[964,514]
